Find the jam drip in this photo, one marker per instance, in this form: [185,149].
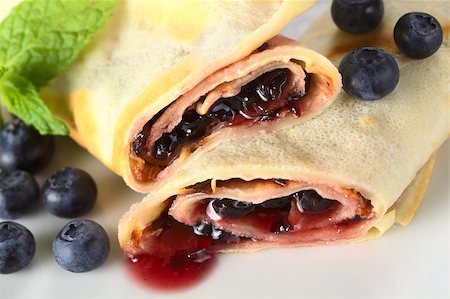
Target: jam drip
[261,99]
[179,256]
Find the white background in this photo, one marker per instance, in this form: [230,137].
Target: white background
[410,262]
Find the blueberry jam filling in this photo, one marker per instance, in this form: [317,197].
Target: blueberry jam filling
[230,208]
[310,201]
[262,99]
[177,256]
[271,215]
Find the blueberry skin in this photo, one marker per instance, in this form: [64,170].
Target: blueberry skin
[69,193]
[22,147]
[357,16]
[17,247]
[369,73]
[81,246]
[19,193]
[281,203]
[418,35]
[230,208]
[311,201]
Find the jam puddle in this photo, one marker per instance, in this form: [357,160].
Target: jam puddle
[178,258]
[170,272]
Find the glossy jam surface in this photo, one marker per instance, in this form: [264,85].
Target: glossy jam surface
[261,99]
[178,256]
[271,215]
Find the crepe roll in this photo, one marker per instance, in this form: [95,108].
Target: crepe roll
[166,79]
[346,175]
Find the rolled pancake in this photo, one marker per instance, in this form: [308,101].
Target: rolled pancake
[135,95]
[369,158]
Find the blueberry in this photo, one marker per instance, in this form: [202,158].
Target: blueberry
[192,126]
[17,247]
[69,193]
[269,86]
[19,192]
[166,147]
[22,147]
[223,110]
[81,246]
[204,228]
[357,16]
[418,35]
[282,203]
[369,73]
[230,208]
[311,201]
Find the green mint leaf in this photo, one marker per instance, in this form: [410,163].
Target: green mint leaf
[40,38]
[21,98]
[2,71]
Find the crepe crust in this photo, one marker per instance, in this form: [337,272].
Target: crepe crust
[405,208]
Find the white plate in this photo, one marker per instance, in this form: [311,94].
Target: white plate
[407,262]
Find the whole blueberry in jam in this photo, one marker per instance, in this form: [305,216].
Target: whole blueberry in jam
[311,201]
[22,147]
[357,16]
[69,193]
[281,203]
[17,247]
[418,35]
[230,208]
[81,246]
[369,73]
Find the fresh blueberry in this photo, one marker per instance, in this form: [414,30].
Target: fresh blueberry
[230,208]
[69,193]
[357,16]
[19,192]
[311,201]
[17,247]
[81,246]
[418,35]
[369,73]
[22,147]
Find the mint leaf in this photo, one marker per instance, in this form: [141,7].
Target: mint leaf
[21,98]
[40,38]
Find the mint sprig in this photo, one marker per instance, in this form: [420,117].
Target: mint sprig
[39,40]
[23,101]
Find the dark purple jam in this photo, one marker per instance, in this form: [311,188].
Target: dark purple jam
[261,99]
[180,256]
[177,259]
[309,201]
[271,215]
